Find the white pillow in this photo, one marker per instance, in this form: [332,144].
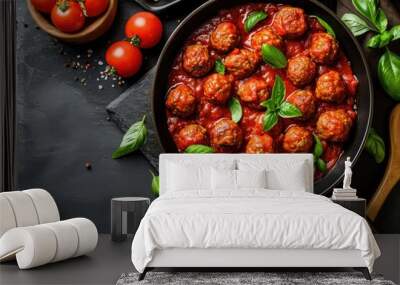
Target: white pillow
[281,174]
[292,179]
[251,178]
[223,179]
[182,177]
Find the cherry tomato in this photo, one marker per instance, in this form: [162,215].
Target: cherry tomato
[125,58]
[44,6]
[95,8]
[67,16]
[147,27]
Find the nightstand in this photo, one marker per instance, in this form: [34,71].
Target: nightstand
[126,214]
[357,205]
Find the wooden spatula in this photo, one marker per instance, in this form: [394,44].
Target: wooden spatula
[392,172]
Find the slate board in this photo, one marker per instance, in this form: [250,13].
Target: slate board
[130,107]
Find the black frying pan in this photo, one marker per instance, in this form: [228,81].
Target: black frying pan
[347,41]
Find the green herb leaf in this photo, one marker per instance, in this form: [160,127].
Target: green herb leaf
[236,109]
[318,148]
[269,104]
[273,56]
[133,139]
[395,31]
[375,146]
[327,27]
[199,148]
[219,66]
[357,25]
[389,74]
[270,119]
[253,19]
[381,21]
[370,10]
[287,110]
[278,91]
[155,184]
[321,165]
[380,40]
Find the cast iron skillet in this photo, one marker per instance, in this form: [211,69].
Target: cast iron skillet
[346,40]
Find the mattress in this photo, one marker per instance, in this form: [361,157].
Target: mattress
[250,219]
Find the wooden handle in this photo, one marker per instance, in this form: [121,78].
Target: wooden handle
[392,172]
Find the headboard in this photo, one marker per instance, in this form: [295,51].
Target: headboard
[210,159]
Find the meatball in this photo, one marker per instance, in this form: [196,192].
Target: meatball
[290,22]
[253,91]
[226,136]
[225,37]
[217,88]
[265,36]
[297,139]
[323,48]
[191,134]
[196,60]
[334,125]
[330,87]
[180,101]
[241,62]
[301,70]
[260,144]
[304,100]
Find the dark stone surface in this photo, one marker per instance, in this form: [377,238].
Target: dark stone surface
[62,125]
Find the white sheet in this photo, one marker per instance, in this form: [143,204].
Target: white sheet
[253,218]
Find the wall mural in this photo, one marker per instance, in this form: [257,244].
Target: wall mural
[220,88]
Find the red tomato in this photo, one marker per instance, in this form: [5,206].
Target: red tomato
[95,8]
[147,27]
[67,16]
[125,58]
[44,6]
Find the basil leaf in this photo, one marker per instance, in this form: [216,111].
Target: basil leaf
[375,146]
[270,119]
[253,19]
[287,110]
[395,31]
[155,184]
[273,56]
[199,148]
[380,40]
[389,74]
[357,25]
[370,10]
[321,165]
[269,104]
[327,27]
[133,139]
[278,91]
[318,148]
[219,66]
[236,109]
[381,21]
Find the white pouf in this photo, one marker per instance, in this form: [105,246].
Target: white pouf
[37,245]
[31,231]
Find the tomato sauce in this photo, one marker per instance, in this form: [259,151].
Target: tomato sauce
[251,122]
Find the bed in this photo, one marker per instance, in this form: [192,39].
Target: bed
[240,210]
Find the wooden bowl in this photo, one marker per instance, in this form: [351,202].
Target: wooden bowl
[90,32]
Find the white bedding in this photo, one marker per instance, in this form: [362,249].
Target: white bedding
[253,218]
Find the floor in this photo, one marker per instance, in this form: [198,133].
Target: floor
[110,260]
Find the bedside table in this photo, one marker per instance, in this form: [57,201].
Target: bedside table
[126,214]
[357,205]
